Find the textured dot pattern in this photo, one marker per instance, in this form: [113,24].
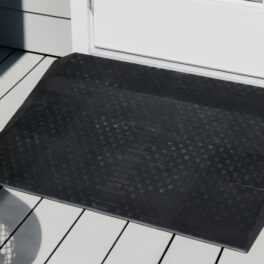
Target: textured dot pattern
[180,152]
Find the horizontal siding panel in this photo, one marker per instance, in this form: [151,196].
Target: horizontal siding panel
[38,33]
[60,8]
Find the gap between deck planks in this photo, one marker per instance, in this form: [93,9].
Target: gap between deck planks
[14,207]
[10,103]
[92,236]
[15,67]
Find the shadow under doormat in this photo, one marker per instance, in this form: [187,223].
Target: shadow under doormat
[179,152]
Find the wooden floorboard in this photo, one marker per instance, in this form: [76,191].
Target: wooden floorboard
[15,98]
[139,245]
[254,256]
[201,253]
[37,237]
[16,67]
[89,241]
[14,207]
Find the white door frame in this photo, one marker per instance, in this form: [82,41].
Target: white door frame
[82,42]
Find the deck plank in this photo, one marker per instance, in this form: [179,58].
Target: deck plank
[4,52]
[38,236]
[89,241]
[139,245]
[254,256]
[15,98]
[15,67]
[14,207]
[188,251]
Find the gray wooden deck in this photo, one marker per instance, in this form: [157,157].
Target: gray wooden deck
[37,230]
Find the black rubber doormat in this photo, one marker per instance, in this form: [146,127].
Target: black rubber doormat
[179,152]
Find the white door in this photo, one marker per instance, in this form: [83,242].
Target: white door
[226,35]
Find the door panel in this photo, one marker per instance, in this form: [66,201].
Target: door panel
[217,34]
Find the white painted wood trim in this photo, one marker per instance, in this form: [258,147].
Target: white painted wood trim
[81,26]
[83,42]
[221,75]
[222,34]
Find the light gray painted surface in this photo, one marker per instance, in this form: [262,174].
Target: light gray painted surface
[254,256]
[181,247]
[60,8]
[10,103]
[14,207]
[17,64]
[41,232]
[139,244]
[34,32]
[89,241]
